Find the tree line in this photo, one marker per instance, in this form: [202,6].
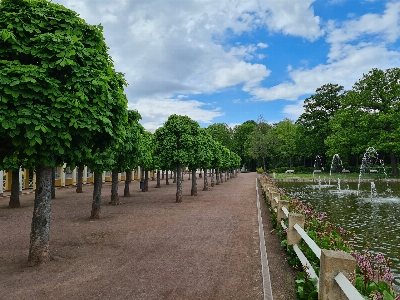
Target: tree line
[335,121]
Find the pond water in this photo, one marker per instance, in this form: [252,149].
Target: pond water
[372,212]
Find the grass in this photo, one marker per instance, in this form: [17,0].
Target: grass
[325,175]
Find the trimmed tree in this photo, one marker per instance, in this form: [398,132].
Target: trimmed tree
[177,139]
[60,97]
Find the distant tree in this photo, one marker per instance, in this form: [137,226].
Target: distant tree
[10,164]
[126,155]
[286,135]
[177,139]
[318,110]
[222,133]
[260,143]
[241,134]
[369,116]
[60,97]
[146,157]
[200,158]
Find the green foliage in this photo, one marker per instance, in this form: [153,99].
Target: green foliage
[60,98]
[241,134]
[128,151]
[146,151]
[370,113]
[260,170]
[176,140]
[261,143]
[306,288]
[318,110]
[222,133]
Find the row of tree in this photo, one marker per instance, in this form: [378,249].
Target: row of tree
[62,101]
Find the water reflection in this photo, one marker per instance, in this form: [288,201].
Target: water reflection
[375,220]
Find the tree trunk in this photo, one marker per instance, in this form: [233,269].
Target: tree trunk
[153,177]
[39,247]
[217,176]
[146,181]
[205,188]
[200,174]
[189,175]
[80,180]
[179,197]
[162,174]
[158,179]
[264,164]
[174,176]
[393,163]
[114,188]
[128,179]
[53,183]
[96,204]
[194,184]
[14,197]
[212,178]
[166,178]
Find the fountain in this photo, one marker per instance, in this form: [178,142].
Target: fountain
[365,205]
[372,164]
[336,166]
[318,167]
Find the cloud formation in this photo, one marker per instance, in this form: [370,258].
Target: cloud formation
[168,48]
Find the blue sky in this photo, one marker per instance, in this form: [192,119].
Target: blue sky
[229,61]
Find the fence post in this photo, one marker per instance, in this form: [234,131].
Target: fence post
[293,237]
[273,196]
[331,263]
[281,215]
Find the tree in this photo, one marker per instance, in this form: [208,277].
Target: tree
[241,135]
[177,138]
[10,164]
[370,113]
[261,143]
[200,158]
[146,156]
[286,134]
[318,110]
[126,155]
[222,133]
[60,97]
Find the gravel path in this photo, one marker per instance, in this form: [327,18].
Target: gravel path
[150,247]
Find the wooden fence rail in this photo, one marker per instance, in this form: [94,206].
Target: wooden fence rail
[335,266]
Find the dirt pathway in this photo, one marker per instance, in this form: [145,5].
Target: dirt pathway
[150,247]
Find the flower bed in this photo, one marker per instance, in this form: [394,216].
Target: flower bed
[373,278]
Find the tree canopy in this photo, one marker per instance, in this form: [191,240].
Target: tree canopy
[60,97]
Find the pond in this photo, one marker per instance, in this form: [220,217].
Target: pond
[372,211]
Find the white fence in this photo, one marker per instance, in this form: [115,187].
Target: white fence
[335,266]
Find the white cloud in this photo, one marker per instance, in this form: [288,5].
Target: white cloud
[355,61]
[357,46]
[293,111]
[293,18]
[383,28]
[262,45]
[155,112]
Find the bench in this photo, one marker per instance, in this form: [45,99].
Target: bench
[345,171]
[373,171]
[317,171]
[289,171]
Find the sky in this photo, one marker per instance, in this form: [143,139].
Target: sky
[229,61]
